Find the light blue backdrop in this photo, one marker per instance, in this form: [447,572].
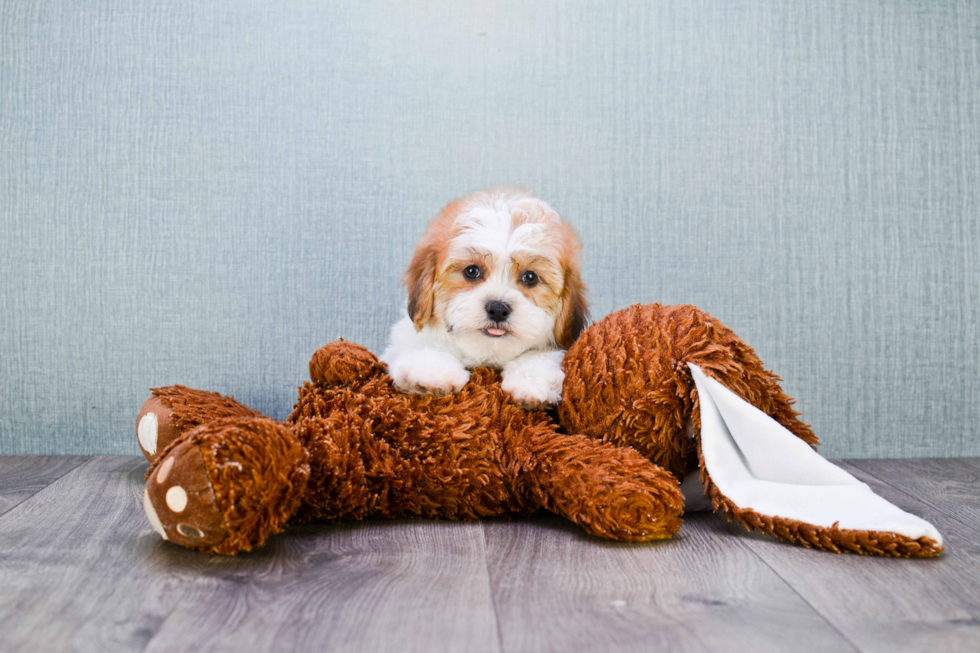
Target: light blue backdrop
[204,192]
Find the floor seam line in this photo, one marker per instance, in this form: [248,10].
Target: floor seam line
[493,598]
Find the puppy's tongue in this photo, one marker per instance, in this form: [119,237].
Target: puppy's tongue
[496,332]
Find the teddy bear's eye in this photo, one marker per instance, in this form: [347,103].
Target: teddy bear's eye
[473,272]
[529,279]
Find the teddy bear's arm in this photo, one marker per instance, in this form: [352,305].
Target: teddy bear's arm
[344,364]
[613,492]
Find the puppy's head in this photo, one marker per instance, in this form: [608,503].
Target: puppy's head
[498,274]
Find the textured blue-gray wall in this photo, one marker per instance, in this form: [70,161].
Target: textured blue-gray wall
[203,192]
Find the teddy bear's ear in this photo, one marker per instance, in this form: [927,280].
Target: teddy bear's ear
[343,363]
[760,474]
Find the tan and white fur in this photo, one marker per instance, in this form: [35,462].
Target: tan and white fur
[494,282]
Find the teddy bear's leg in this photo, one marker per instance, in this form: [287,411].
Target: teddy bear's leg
[611,491]
[227,485]
[172,410]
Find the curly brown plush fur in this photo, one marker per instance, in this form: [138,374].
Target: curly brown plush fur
[355,447]
[627,382]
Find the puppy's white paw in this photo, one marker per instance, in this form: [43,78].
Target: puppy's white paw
[428,372]
[534,386]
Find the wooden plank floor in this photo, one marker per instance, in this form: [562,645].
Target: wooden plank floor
[81,570]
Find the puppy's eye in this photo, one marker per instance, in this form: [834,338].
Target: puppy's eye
[529,279]
[473,272]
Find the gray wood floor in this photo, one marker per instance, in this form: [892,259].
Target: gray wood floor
[80,569]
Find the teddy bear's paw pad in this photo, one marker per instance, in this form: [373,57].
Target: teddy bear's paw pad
[179,500]
[155,427]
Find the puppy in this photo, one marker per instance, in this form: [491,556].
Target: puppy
[494,282]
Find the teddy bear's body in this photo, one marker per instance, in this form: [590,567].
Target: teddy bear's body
[464,456]
[223,477]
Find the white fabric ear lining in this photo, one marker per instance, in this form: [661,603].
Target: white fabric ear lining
[759,465]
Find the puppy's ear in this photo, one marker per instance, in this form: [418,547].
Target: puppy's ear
[574,312]
[420,279]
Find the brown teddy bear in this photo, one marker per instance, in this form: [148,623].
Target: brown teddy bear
[651,394]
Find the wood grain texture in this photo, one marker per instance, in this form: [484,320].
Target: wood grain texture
[889,605]
[24,476]
[367,586]
[81,569]
[950,485]
[556,589]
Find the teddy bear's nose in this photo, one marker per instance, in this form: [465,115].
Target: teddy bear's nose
[498,311]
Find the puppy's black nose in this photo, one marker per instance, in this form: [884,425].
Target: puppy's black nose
[498,311]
